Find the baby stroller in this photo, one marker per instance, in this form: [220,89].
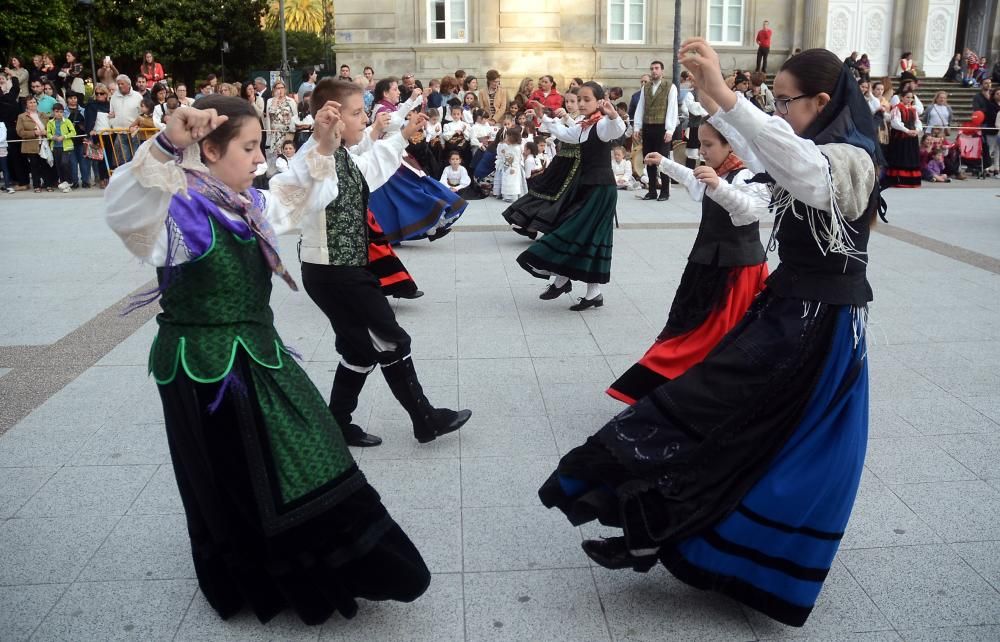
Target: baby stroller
[971,145]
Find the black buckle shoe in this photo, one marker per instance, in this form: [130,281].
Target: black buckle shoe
[664,197]
[440,234]
[650,196]
[583,304]
[355,436]
[416,294]
[552,292]
[612,553]
[445,421]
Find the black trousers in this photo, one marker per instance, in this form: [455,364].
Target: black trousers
[762,58]
[40,171]
[365,325]
[652,141]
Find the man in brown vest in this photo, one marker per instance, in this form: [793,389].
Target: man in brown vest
[655,122]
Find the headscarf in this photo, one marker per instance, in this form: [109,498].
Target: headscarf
[846,119]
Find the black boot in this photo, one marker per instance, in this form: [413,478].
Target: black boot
[612,552]
[429,422]
[347,385]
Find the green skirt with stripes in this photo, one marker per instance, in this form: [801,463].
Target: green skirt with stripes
[580,248]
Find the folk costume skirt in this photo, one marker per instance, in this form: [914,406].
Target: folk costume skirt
[579,248]
[742,472]
[409,206]
[385,265]
[710,301]
[279,515]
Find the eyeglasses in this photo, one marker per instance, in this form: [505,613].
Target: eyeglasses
[101,93]
[781,104]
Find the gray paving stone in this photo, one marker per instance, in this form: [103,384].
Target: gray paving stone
[160,496]
[150,610]
[567,369]
[201,623]
[989,406]
[974,381]
[942,415]
[486,373]
[656,606]
[487,435]
[536,605]
[913,460]
[585,398]
[22,608]
[503,400]
[869,636]
[519,539]
[398,441]
[572,430]
[954,634]
[88,490]
[49,550]
[120,443]
[504,481]
[978,453]
[842,608]
[923,586]
[881,519]
[143,547]
[411,484]
[478,346]
[546,345]
[959,511]
[983,557]
[437,534]
[19,484]
[438,615]
[884,422]
[386,406]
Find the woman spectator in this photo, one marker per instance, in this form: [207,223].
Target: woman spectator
[47,69]
[309,82]
[96,119]
[107,73]
[851,62]
[71,76]
[864,68]
[303,121]
[907,68]
[250,95]
[954,72]
[385,96]
[471,83]
[879,105]
[547,96]
[225,89]
[31,129]
[279,113]
[524,91]
[182,95]
[152,70]
[939,114]
[158,95]
[493,99]
[760,95]
[16,70]
[450,88]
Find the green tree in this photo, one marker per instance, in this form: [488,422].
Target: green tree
[305,49]
[300,15]
[28,28]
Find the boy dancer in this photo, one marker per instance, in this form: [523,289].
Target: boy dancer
[334,254]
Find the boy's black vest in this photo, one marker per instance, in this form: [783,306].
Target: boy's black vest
[720,242]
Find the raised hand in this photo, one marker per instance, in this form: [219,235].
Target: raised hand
[414,124]
[381,123]
[327,127]
[608,108]
[700,59]
[707,175]
[190,125]
[653,158]
[559,113]
[417,93]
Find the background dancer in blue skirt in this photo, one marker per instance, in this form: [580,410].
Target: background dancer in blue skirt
[740,474]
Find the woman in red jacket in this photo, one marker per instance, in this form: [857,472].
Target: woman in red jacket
[152,70]
[547,96]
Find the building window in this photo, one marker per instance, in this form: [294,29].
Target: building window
[447,20]
[627,21]
[725,22]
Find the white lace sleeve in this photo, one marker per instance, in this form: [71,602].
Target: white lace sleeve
[137,199]
[745,202]
[684,176]
[305,189]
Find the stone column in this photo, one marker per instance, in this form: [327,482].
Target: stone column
[915,31]
[814,23]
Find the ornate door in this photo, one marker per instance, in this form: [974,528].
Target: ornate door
[864,26]
[939,41]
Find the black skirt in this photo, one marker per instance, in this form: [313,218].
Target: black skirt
[316,557]
[552,197]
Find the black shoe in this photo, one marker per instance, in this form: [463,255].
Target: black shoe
[355,436]
[649,196]
[415,294]
[583,304]
[612,553]
[664,197]
[347,385]
[439,235]
[429,422]
[552,292]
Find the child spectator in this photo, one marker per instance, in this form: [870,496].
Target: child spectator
[934,169]
[455,177]
[79,165]
[511,161]
[144,126]
[532,163]
[469,106]
[432,130]
[621,168]
[282,160]
[457,134]
[60,134]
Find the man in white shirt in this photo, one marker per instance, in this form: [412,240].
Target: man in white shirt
[123,111]
[655,122]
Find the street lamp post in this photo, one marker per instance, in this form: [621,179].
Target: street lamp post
[677,42]
[88,5]
[285,70]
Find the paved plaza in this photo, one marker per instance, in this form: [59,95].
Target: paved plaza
[93,544]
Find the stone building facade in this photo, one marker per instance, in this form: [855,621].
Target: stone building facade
[613,41]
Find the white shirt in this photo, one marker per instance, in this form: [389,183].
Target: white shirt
[916,103]
[530,165]
[607,130]
[622,168]
[432,131]
[480,130]
[125,108]
[456,127]
[671,119]
[798,165]
[461,175]
[745,202]
[896,122]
